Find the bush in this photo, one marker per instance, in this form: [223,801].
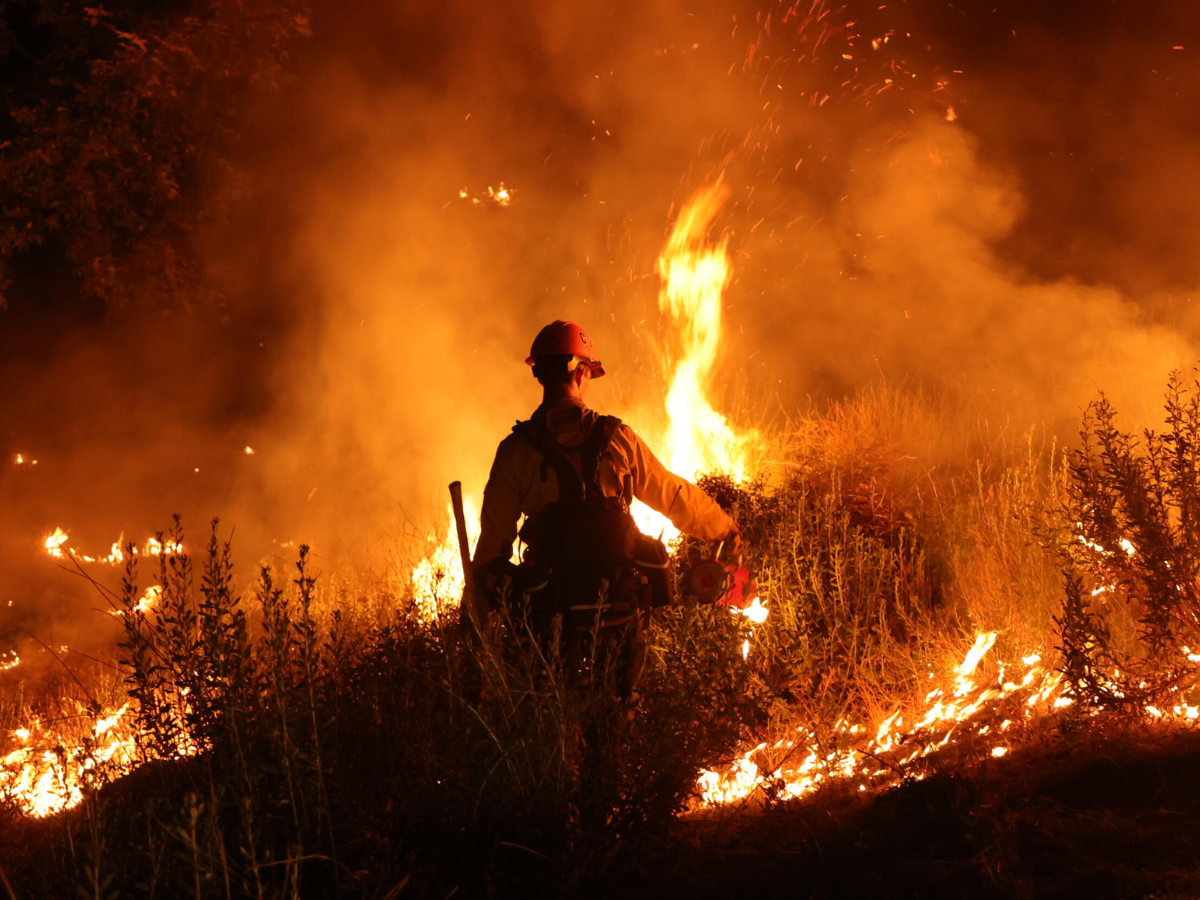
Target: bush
[856,605]
[1132,548]
[999,535]
[282,750]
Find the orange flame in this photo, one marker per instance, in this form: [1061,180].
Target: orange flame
[943,722]
[695,272]
[146,602]
[56,545]
[958,711]
[437,580]
[46,775]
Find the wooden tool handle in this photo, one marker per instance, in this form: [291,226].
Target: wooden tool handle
[470,600]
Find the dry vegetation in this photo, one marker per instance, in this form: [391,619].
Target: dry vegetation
[337,744]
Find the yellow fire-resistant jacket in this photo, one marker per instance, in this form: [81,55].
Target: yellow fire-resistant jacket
[517,483]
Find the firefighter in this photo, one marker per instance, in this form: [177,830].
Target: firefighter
[573,473]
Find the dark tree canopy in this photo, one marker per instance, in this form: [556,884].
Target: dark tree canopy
[117,131]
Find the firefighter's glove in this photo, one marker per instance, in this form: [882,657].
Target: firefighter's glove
[731,547]
[493,579]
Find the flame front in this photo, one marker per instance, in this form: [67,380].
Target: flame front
[56,546]
[951,713]
[48,772]
[956,713]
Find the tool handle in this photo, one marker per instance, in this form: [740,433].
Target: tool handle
[469,600]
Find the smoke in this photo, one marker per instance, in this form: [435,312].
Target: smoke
[904,281]
[1013,224]
[407,367]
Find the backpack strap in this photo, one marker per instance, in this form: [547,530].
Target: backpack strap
[572,484]
[538,436]
[592,451]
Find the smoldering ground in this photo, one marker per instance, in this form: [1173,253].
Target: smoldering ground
[916,193]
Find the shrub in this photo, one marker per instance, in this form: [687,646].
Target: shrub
[855,604]
[1131,611]
[283,750]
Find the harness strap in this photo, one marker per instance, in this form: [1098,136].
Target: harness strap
[573,484]
[592,451]
[537,435]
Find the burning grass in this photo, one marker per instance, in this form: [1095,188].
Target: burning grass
[338,736]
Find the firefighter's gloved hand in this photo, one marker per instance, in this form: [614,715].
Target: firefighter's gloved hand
[493,580]
[731,547]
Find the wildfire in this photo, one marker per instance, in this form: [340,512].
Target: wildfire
[496,196]
[695,271]
[853,756]
[55,761]
[48,772]
[694,275]
[145,603]
[955,713]
[52,765]
[755,612]
[155,547]
[56,545]
[437,580]
[502,195]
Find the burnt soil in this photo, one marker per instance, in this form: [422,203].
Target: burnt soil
[1112,817]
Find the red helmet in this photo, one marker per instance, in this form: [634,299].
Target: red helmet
[561,338]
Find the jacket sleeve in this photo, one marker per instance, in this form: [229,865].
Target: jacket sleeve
[690,509]
[501,509]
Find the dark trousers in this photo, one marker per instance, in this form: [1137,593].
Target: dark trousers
[622,646]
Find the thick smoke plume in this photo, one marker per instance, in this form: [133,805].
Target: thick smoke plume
[970,199]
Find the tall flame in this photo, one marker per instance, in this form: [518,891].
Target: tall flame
[695,273]
[695,270]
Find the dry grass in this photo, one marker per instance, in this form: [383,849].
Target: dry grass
[348,747]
